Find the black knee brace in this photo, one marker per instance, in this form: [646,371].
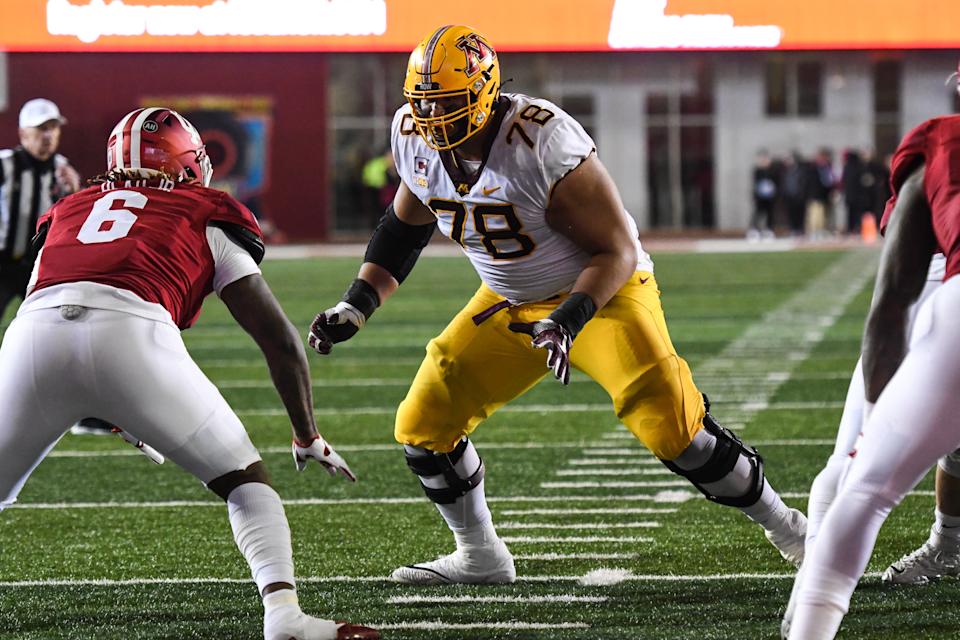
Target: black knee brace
[722,460]
[427,464]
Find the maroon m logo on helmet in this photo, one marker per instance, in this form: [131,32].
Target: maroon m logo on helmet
[476,51]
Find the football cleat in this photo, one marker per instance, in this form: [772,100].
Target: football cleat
[476,565]
[924,565]
[791,540]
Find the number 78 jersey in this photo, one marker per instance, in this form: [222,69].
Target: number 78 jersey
[498,214]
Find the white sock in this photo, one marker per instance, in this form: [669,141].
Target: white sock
[262,533]
[769,511]
[469,516]
[946,530]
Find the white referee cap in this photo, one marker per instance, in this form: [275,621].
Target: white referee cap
[39,110]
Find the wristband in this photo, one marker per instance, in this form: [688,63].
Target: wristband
[363,296]
[574,312]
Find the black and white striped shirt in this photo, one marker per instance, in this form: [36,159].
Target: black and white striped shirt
[28,187]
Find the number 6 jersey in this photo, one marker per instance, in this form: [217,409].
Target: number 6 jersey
[497,214]
[157,242]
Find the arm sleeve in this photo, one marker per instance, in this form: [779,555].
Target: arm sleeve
[231,262]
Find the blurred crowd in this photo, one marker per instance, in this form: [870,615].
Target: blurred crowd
[818,197]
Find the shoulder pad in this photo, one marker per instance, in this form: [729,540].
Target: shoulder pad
[248,240]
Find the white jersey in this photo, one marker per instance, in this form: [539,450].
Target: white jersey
[497,216]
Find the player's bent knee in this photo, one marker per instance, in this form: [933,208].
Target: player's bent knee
[950,464]
[721,467]
[226,483]
[446,477]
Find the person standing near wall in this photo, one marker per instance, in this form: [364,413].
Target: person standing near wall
[32,177]
[766,188]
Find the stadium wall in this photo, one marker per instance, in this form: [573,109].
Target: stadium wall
[94,90]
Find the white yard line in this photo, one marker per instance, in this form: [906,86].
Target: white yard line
[551,557]
[578,526]
[545,599]
[126,582]
[567,540]
[439,625]
[664,496]
[586,512]
[615,471]
[787,334]
[616,484]
[177,504]
[592,462]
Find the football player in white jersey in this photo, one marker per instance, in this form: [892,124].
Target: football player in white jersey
[516,183]
[940,554]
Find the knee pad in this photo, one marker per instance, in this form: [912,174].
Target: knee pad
[445,477]
[950,464]
[727,451]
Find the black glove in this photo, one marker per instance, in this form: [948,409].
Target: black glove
[341,322]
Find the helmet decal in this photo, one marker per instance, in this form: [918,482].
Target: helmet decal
[476,50]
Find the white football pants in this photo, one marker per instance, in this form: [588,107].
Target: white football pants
[125,369]
[913,424]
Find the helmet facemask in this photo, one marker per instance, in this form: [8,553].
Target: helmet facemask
[456,69]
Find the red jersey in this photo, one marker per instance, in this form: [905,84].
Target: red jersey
[151,240]
[934,144]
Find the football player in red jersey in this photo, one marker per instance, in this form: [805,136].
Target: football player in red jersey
[124,266]
[913,421]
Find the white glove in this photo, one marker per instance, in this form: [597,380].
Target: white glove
[321,451]
[144,448]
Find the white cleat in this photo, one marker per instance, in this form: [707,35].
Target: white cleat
[478,565]
[790,540]
[927,563]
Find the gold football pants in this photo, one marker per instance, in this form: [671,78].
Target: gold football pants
[472,370]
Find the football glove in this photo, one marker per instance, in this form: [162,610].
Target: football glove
[342,322]
[548,334]
[320,450]
[334,325]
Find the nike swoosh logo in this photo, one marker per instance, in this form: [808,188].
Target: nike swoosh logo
[644,280]
[487,192]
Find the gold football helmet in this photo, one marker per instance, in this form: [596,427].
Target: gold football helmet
[452,83]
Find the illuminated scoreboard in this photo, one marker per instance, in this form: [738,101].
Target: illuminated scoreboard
[545,25]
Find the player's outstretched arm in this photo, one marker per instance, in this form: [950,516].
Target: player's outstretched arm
[255,308]
[909,245]
[403,232]
[586,208]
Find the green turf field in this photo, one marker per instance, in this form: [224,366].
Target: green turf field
[104,544]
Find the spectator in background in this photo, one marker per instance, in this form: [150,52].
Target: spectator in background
[32,177]
[381,182]
[795,191]
[766,188]
[858,186]
[820,186]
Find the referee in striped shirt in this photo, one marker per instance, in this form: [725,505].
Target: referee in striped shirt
[32,177]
